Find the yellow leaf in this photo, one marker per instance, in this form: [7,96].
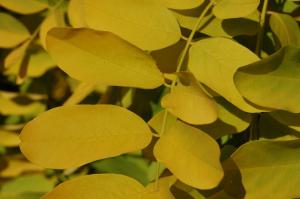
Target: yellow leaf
[16,56]
[226,9]
[24,6]
[56,19]
[182,4]
[191,155]
[12,32]
[98,186]
[145,23]
[102,58]
[72,136]
[189,102]
[214,62]
[75,13]
[162,191]
[9,139]
[17,166]
[10,107]
[39,62]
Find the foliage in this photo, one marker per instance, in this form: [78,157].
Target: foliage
[149,99]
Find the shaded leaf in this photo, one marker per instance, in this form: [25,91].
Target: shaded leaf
[12,31]
[24,6]
[183,150]
[146,23]
[269,169]
[103,58]
[68,135]
[285,28]
[292,120]
[214,61]
[274,81]
[9,138]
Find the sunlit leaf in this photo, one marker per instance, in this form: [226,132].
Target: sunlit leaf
[12,32]
[273,82]
[184,151]
[56,19]
[8,138]
[108,186]
[160,191]
[189,102]
[145,23]
[214,61]
[24,6]
[101,57]
[285,28]
[269,169]
[69,134]
[182,4]
[75,13]
[225,9]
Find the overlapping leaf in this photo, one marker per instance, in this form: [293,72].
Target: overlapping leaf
[214,62]
[101,57]
[146,23]
[274,81]
[183,150]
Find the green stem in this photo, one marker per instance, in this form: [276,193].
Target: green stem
[262,22]
[178,69]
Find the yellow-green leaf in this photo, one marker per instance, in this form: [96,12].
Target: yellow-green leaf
[9,139]
[162,191]
[75,13]
[103,58]
[97,186]
[189,102]
[274,81]
[145,23]
[225,9]
[24,6]
[16,56]
[182,4]
[12,32]
[291,120]
[214,62]
[184,151]
[72,136]
[286,29]
[269,169]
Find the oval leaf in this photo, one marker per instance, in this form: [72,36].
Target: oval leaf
[24,6]
[269,169]
[183,150]
[214,61]
[12,32]
[273,82]
[108,186]
[182,4]
[75,135]
[144,23]
[285,28]
[103,58]
[189,102]
[226,9]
